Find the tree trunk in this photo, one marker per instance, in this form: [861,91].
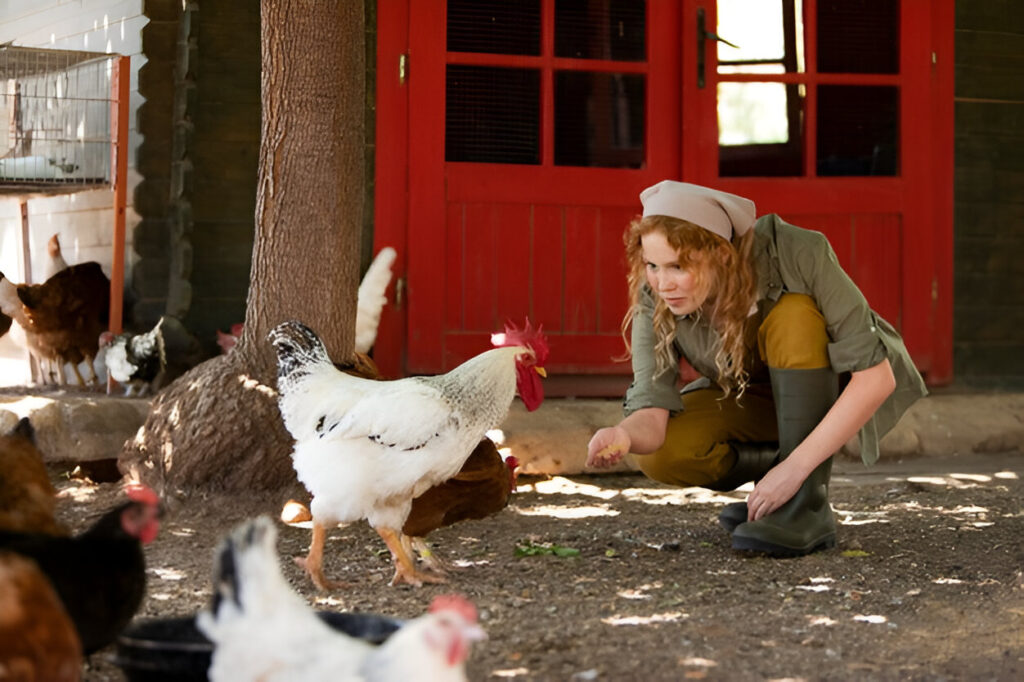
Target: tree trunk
[218,426]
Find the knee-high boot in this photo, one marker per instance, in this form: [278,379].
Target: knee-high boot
[753,460]
[805,523]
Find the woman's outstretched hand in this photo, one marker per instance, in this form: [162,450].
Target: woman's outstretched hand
[607,447]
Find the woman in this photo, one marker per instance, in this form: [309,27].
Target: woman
[765,313]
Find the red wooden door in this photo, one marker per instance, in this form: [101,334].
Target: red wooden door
[514,138]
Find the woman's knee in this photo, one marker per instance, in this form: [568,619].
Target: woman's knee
[794,335]
[687,467]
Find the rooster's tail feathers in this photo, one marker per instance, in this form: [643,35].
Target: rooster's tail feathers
[372,299]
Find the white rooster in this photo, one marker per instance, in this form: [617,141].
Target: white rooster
[365,449]
[264,631]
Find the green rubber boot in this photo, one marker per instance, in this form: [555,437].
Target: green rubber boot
[805,523]
[753,460]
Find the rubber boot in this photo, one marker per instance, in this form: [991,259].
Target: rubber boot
[804,524]
[753,460]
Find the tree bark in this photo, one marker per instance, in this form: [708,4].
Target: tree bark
[218,426]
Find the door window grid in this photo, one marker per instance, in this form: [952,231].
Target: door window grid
[787,110]
[579,99]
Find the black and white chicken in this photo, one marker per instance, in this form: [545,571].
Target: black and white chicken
[262,630]
[135,360]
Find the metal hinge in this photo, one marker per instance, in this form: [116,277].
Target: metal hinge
[399,291]
[403,67]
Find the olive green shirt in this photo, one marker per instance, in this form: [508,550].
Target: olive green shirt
[787,259]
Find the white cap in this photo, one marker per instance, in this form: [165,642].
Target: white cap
[715,211]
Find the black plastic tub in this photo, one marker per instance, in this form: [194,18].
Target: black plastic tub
[174,650]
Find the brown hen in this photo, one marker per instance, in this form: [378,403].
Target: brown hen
[64,316]
[482,487]
[37,639]
[27,498]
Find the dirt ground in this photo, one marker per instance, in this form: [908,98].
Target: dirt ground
[925,584]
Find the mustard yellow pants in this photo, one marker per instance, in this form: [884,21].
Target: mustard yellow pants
[696,451]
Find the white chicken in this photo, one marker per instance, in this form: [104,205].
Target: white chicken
[264,631]
[365,449]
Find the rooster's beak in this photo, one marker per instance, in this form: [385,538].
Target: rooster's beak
[541,371]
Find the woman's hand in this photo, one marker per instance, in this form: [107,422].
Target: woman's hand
[607,447]
[774,489]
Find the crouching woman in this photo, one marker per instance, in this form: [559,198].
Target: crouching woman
[763,311]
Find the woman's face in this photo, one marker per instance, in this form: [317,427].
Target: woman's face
[677,286]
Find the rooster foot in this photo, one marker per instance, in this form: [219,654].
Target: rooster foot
[316,574]
[415,578]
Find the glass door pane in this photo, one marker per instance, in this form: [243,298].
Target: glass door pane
[760,122]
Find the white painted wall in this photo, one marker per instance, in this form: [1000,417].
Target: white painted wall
[83,220]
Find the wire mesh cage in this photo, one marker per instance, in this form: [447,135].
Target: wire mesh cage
[55,119]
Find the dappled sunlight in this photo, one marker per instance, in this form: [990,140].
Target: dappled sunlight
[876,619]
[860,518]
[560,512]
[948,581]
[168,573]
[695,662]
[1006,475]
[497,436]
[24,407]
[969,510]
[183,532]
[818,584]
[817,619]
[332,602]
[77,493]
[466,563]
[641,592]
[976,478]
[559,485]
[251,384]
[654,619]
[509,673]
[663,496]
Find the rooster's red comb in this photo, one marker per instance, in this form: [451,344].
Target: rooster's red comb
[140,493]
[529,337]
[456,603]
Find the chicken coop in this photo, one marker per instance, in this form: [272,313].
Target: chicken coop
[64,129]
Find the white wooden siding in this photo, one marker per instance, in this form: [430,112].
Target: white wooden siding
[83,220]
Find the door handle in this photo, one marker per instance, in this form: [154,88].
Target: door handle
[704,35]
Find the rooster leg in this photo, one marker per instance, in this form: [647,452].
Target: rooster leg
[312,563]
[433,562]
[405,570]
[78,375]
[94,380]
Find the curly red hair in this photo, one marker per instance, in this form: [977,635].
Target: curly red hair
[724,268]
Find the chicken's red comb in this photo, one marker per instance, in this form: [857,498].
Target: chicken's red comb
[533,339]
[140,493]
[454,602]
